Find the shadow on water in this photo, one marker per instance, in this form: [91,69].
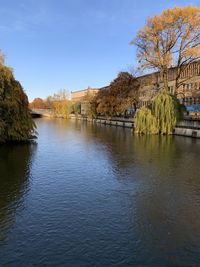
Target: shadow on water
[15,165]
[168,198]
[163,152]
[163,178]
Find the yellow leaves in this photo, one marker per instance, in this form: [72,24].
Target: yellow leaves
[62,108]
[185,14]
[193,51]
[189,16]
[171,38]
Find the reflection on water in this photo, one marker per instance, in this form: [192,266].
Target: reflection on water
[15,161]
[99,196]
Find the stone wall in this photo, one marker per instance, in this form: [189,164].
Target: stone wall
[122,122]
[188,127]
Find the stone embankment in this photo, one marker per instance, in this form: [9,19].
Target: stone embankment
[122,122]
[187,127]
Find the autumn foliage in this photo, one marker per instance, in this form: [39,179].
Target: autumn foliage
[59,104]
[170,39]
[38,103]
[120,95]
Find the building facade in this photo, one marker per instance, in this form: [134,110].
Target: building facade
[78,96]
[188,92]
[82,96]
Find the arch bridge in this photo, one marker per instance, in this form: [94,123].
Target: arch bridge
[38,113]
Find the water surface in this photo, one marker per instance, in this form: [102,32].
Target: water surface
[88,195]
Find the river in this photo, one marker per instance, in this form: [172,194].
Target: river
[86,195]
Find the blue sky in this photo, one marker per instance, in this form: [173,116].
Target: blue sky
[72,44]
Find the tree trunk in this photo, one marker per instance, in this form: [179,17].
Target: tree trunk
[165,78]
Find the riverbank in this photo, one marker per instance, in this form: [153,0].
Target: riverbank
[121,122]
[189,127]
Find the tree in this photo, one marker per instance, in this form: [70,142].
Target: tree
[166,109]
[16,123]
[37,103]
[103,103]
[145,122]
[76,108]
[170,39]
[60,104]
[48,102]
[2,58]
[89,104]
[161,118]
[121,94]
[125,90]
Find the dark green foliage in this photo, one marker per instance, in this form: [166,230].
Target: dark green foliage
[16,123]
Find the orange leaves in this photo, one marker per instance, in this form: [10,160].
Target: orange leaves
[38,103]
[193,51]
[119,96]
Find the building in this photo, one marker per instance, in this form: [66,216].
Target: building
[78,96]
[82,96]
[188,93]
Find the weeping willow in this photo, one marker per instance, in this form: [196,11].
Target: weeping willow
[16,123]
[165,108]
[145,122]
[161,118]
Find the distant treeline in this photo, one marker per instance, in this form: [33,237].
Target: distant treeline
[114,100]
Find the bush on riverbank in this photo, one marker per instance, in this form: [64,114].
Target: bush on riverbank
[16,123]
